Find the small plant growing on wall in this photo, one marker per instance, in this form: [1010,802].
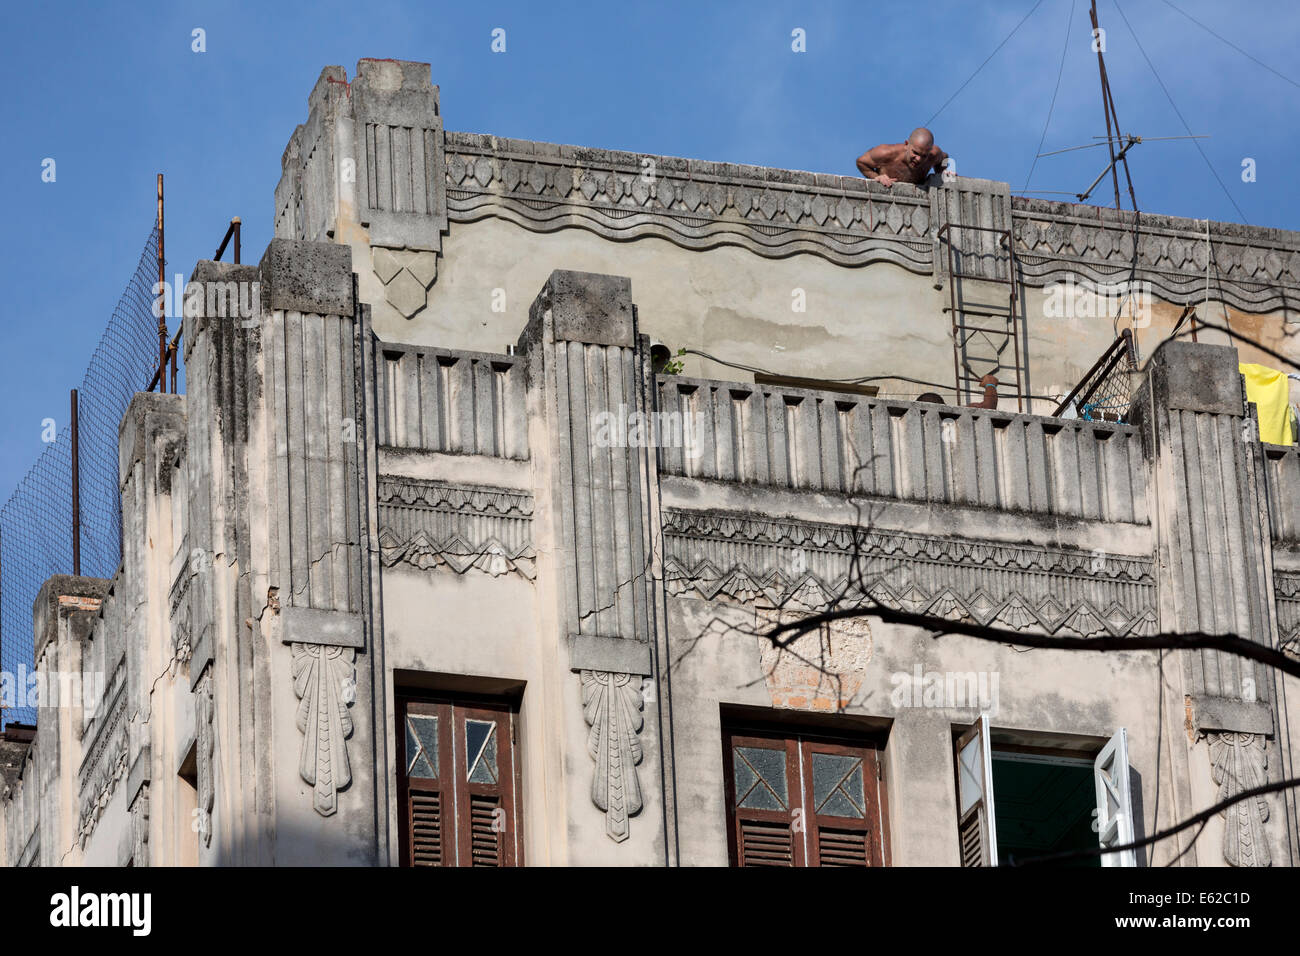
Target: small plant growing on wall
[675,366]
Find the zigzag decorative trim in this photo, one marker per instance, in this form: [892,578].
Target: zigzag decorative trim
[431,524]
[839,539]
[180,601]
[459,498]
[804,564]
[778,213]
[545,190]
[1255,277]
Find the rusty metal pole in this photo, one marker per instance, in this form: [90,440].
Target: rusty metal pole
[76,492]
[1105,100]
[236,224]
[162,279]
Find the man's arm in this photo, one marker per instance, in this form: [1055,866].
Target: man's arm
[871,164]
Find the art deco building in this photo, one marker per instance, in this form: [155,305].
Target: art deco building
[447,555]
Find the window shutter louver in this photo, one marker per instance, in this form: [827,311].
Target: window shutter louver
[971,842]
[485,843]
[836,847]
[765,844]
[426,829]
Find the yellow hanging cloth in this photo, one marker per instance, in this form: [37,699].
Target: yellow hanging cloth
[1270,391]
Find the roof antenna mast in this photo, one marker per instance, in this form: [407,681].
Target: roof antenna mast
[1112,123]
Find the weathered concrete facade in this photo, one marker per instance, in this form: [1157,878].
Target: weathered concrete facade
[366,494]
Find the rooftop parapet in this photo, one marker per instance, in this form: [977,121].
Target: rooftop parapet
[374,154]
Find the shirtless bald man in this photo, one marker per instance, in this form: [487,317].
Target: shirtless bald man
[909,162]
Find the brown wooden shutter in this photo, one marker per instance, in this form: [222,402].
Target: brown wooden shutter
[485,775]
[796,800]
[457,783]
[840,784]
[424,747]
[765,843]
[762,779]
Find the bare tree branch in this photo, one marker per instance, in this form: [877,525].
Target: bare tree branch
[1190,640]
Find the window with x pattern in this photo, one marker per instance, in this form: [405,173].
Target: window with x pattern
[457,783]
[796,799]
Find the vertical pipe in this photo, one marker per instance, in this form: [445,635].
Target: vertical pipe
[76,492]
[957,356]
[162,278]
[1022,384]
[237,223]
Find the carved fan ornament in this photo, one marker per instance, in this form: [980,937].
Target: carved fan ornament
[611,704]
[322,676]
[1238,762]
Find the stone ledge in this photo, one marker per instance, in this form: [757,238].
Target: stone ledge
[615,655]
[149,416]
[48,606]
[1190,377]
[305,625]
[590,308]
[1235,716]
[310,277]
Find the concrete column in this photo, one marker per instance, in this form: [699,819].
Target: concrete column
[278,418]
[221,345]
[63,617]
[151,438]
[597,486]
[1210,513]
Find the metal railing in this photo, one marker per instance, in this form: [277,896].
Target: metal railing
[170,350]
[1104,392]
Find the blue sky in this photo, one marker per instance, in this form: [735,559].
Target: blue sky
[115,94]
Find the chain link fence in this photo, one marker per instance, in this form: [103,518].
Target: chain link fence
[1105,394]
[36,521]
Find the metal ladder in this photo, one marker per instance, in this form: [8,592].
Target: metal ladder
[985,335]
